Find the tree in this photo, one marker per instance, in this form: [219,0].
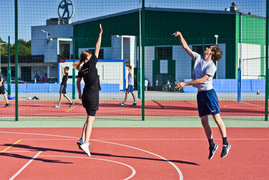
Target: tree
[24,48]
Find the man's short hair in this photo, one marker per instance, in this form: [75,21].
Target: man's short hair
[217,53]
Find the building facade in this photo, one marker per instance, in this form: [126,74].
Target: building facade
[240,36]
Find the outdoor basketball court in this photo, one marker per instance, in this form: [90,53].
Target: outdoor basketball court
[161,138]
[131,153]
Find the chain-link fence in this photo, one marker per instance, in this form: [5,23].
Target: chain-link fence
[137,33]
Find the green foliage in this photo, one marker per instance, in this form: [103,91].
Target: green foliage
[23,47]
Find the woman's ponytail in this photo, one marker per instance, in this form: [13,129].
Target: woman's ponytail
[83,57]
[77,65]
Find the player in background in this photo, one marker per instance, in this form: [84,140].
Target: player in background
[207,100]
[63,88]
[130,87]
[2,90]
[90,96]
[146,84]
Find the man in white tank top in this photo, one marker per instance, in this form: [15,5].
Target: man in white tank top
[130,87]
[207,99]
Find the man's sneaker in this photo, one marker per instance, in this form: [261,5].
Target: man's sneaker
[225,150]
[71,104]
[85,148]
[80,142]
[134,104]
[122,104]
[57,106]
[7,105]
[212,151]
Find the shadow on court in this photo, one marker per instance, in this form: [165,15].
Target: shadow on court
[36,159]
[143,158]
[32,148]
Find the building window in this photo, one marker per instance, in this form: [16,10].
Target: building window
[101,53]
[26,73]
[65,50]
[163,66]
[163,53]
[4,71]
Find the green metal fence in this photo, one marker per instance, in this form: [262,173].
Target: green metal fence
[41,37]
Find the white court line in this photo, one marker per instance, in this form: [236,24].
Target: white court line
[177,169]
[243,107]
[15,175]
[117,162]
[252,104]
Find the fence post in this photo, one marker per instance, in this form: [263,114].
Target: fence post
[143,59]
[16,62]
[266,61]
[9,70]
[74,73]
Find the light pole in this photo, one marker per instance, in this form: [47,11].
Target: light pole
[48,35]
[216,36]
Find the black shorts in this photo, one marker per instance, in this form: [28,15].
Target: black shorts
[2,89]
[63,89]
[91,103]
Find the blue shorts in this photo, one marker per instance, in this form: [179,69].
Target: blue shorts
[208,103]
[130,88]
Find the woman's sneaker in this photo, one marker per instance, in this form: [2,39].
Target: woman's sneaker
[85,148]
[80,142]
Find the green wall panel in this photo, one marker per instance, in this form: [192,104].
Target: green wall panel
[195,26]
[253,32]
[86,34]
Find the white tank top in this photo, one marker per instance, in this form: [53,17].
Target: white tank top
[130,79]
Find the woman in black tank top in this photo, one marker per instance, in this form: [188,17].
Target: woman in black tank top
[90,97]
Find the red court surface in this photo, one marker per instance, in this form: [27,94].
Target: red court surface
[132,153]
[112,108]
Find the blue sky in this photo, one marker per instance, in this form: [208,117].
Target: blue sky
[36,12]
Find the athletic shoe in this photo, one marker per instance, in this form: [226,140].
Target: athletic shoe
[134,104]
[212,151]
[122,104]
[71,104]
[35,98]
[225,150]
[80,142]
[57,106]
[7,105]
[85,148]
